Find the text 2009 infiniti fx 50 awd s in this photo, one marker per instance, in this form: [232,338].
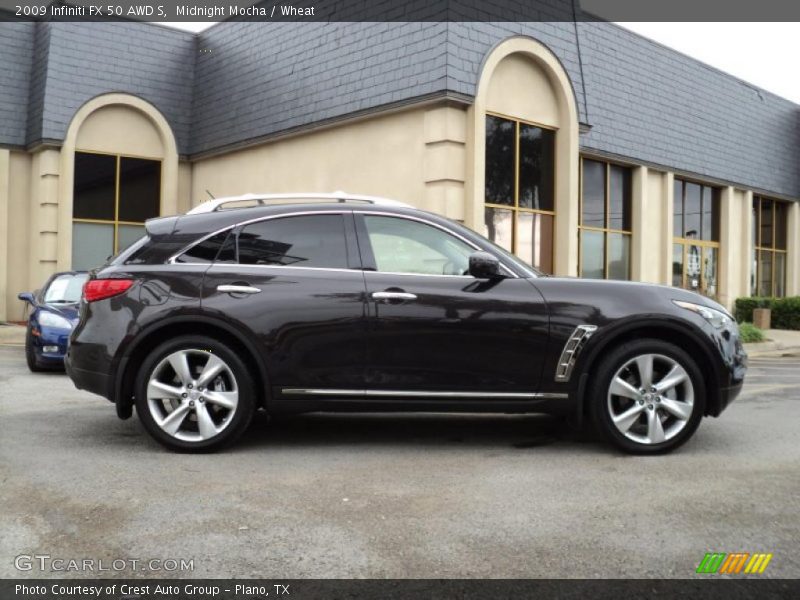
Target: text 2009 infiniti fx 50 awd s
[346,303]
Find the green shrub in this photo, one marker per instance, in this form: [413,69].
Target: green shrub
[743,307]
[750,333]
[785,311]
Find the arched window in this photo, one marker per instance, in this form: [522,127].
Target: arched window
[113,195]
[520,181]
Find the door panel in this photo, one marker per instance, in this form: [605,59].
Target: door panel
[430,330]
[309,321]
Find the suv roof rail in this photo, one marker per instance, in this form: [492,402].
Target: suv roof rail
[264,199]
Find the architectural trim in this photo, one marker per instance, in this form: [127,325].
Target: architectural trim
[169,166]
[567,147]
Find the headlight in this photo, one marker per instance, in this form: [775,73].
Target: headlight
[717,318]
[49,319]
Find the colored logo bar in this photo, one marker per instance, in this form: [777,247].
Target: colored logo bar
[734,563]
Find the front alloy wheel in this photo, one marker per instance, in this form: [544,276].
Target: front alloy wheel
[194,393]
[649,398]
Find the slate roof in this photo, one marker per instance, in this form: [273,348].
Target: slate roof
[243,81]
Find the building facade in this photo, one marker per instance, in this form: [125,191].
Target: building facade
[584,148]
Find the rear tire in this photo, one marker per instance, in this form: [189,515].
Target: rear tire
[194,394]
[648,397]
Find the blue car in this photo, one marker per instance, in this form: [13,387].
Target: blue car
[54,314]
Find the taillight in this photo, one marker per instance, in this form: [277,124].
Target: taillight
[99,289]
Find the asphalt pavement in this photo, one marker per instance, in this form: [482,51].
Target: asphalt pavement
[407,496]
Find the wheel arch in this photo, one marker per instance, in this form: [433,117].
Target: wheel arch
[690,339]
[153,335]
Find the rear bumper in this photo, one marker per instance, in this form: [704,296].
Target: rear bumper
[84,379]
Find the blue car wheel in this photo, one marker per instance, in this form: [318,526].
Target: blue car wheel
[30,354]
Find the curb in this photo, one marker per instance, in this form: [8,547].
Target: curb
[768,348]
[12,335]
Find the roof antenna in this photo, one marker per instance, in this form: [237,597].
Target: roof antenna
[210,194]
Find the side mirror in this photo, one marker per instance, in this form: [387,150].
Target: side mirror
[27,297]
[483,265]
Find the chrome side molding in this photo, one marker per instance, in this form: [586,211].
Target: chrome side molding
[420,394]
[573,347]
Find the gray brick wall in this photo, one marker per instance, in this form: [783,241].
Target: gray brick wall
[16,53]
[652,104]
[243,80]
[469,43]
[254,79]
[88,59]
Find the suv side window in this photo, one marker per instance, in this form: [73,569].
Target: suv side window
[206,251]
[303,241]
[405,246]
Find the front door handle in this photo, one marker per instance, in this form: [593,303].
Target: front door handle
[237,289]
[389,296]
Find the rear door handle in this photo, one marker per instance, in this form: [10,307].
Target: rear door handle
[237,289]
[393,296]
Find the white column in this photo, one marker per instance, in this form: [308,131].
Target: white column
[793,251]
[667,197]
[640,238]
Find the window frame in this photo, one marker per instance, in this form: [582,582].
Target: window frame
[368,257]
[704,245]
[515,208]
[773,250]
[116,222]
[605,230]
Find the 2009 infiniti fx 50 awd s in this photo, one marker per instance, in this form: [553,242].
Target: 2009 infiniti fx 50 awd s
[346,303]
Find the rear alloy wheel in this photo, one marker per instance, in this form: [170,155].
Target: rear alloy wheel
[194,394]
[651,399]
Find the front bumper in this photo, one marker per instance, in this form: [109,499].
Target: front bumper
[735,363]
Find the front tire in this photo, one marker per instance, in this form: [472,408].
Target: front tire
[649,397]
[30,355]
[194,394]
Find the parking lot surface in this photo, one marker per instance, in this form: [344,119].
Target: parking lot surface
[405,496]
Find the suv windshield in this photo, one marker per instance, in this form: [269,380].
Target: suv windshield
[65,289]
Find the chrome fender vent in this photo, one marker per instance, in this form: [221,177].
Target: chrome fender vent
[573,347]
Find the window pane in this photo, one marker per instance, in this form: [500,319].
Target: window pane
[691,212]
[677,209]
[710,216]
[500,142]
[92,243]
[95,186]
[536,167]
[139,189]
[204,252]
[693,267]
[594,194]
[65,288]
[619,216]
[127,235]
[780,274]
[535,240]
[781,224]
[309,241]
[592,254]
[677,265]
[619,256]
[404,246]
[499,224]
[710,272]
[764,273]
[766,223]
